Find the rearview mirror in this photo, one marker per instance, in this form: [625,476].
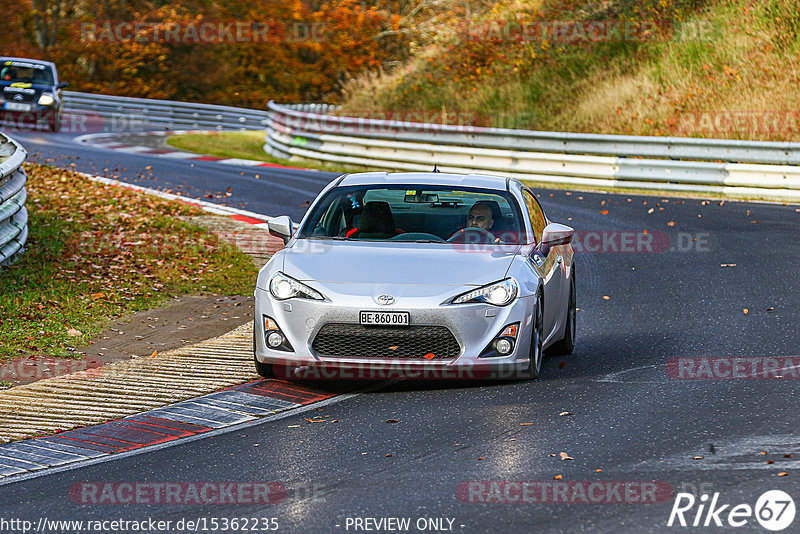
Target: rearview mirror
[281,227]
[555,234]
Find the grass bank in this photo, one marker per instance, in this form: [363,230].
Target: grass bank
[96,252]
[243,145]
[697,68]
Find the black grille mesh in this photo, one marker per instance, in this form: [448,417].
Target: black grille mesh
[338,340]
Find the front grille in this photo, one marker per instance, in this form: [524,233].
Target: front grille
[337,340]
[26,97]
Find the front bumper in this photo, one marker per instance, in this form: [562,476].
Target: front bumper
[474,326]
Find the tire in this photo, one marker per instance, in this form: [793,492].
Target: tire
[265,370]
[536,354]
[566,345]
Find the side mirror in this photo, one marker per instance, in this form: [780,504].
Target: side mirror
[555,234]
[281,227]
[62,85]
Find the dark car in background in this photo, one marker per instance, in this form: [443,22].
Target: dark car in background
[30,93]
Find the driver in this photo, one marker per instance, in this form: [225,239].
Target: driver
[480,216]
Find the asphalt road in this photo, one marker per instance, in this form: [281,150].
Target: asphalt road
[630,416]
[275,192]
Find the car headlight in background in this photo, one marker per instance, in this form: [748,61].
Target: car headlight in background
[285,287]
[46,100]
[500,293]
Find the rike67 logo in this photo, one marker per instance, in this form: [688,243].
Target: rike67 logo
[774,510]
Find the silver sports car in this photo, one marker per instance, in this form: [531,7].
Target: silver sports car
[416,275]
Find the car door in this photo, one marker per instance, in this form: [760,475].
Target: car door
[550,265]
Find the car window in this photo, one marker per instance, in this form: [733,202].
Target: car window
[415,213]
[538,221]
[20,72]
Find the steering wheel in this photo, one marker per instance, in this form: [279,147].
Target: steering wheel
[472,234]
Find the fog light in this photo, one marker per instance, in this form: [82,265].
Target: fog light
[503,346]
[274,340]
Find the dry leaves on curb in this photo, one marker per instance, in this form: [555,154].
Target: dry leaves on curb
[565,456]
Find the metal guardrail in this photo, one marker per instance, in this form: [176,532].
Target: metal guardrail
[125,113]
[726,167]
[13,215]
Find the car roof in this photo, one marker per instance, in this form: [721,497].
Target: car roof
[28,60]
[479,181]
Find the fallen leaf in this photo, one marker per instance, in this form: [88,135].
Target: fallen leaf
[96,296]
[392,420]
[788,456]
[764,453]
[72,332]
[155,353]
[671,223]
[746,311]
[481,458]
[394,347]
[697,457]
[651,210]
[293,426]
[604,212]
[562,414]
[598,470]
[525,424]
[769,462]
[783,474]
[561,365]
[557,477]
[565,456]
[727,265]
[606,297]
[771,308]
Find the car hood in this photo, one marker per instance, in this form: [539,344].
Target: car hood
[397,263]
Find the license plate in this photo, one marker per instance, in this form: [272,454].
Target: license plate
[13,106]
[384,318]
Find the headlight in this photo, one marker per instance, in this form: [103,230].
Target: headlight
[285,287]
[500,293]
[46,100]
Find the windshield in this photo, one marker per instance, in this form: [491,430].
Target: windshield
[18,71]
[418,214]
